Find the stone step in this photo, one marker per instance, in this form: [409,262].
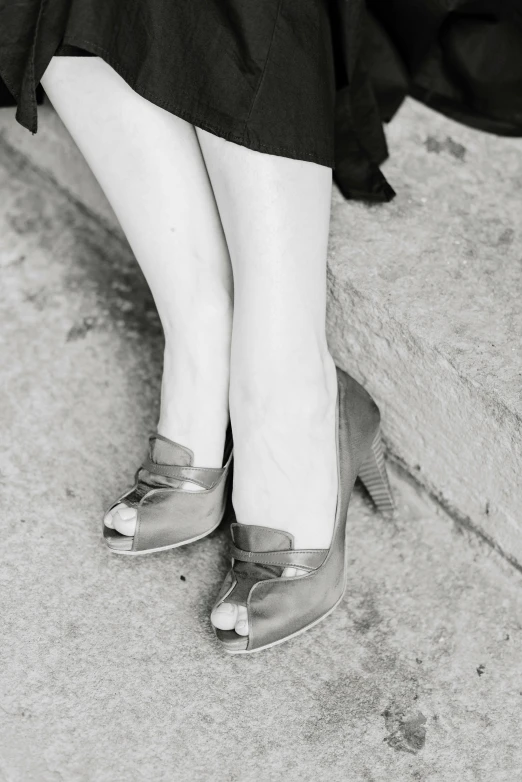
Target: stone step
[425,309]
[424,305]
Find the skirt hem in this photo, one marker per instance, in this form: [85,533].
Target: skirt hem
[193,117]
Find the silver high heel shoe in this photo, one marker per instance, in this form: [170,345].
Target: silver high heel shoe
[278,607]
[176,503]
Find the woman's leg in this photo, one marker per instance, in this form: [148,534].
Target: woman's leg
[149,164]
[283,387]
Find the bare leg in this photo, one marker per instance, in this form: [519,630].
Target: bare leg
[149,164]
[283,388]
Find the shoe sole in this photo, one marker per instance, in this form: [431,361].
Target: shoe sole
[162,548]
[287,637]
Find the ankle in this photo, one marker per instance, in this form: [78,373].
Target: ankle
[194,401]
[286,458]
[204,436]
[272,391]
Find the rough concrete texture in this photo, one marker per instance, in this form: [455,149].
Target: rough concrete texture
[55,153]
[424,304]
[425,310]
[110,671]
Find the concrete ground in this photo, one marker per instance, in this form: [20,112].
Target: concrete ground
[110,671]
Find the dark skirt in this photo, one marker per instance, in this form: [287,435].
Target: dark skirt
[306,79]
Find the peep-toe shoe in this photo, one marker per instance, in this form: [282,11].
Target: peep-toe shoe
[280,607]
[176,503]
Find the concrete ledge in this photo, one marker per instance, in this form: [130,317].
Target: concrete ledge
[425,309]
[424,304]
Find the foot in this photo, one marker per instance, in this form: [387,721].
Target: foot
[197,421]
[229,616]
[285,473]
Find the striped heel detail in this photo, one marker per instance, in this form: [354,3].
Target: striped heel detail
[375,478]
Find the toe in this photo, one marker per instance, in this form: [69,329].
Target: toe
[241,626]
[109,516]
[224,616]
[292,572]
[124,520]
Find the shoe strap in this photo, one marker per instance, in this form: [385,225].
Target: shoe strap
[206,476]
[307,559]
[168,459]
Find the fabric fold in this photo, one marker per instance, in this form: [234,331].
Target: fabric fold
[327,104]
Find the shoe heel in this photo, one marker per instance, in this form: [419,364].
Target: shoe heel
[375,478]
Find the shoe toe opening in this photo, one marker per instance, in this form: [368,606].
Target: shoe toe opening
[116,540]
[231,640]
